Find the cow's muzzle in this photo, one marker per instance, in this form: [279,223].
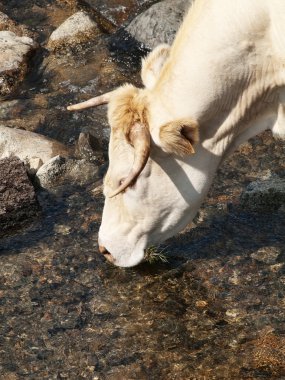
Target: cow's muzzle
[106,254]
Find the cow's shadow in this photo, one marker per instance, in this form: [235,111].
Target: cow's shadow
[233,232]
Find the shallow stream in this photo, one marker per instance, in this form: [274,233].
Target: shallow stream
[215,310]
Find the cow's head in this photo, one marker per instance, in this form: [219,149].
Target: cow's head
[143,204]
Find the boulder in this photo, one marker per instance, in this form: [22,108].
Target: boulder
[61,170]
[33,149]
[159,23]
[265,196]
[18,202]
[76,29]
[14,56]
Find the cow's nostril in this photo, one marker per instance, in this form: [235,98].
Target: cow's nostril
[103,250]
[107,255]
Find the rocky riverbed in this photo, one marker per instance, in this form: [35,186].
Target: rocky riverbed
[214,310]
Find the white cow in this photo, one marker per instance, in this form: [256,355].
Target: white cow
[220,83]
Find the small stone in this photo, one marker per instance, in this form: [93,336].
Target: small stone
[201,304]
[267,255]
[233,314]
[51,171]
[234,279]
[62,229]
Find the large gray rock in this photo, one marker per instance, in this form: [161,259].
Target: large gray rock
[76,29]
[33,149]
[18,202]
[266,195]
[159,23]
[14,54]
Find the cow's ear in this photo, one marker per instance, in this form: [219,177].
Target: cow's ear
[179,137]
[152,65]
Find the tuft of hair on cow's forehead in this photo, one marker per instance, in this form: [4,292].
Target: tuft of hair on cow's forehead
[128,106]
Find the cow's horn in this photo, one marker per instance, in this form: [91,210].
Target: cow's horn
[139,137]
[93,102]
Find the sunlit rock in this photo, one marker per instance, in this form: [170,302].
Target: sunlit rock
[15,52]
[61,170]
[76,29]
[159,23]
[31,148]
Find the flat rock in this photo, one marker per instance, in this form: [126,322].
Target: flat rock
[14,56]
[76,29]
[265,196]
[18,202]
[159,23]
[32,148]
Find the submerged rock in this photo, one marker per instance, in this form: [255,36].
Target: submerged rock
[76,29]
[267,255]
[14,56]
[33,149]
[159,23]
[18,202]
[266,195]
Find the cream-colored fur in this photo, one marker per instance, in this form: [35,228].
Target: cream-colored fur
[179,137]
[152,65]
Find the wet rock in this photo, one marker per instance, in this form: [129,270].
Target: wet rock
[14,56]
[60,170]
[76,29]
[266,195]
[18,202]
[33,149]
[159,23]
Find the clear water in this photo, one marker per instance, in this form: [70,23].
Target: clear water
[215,310]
